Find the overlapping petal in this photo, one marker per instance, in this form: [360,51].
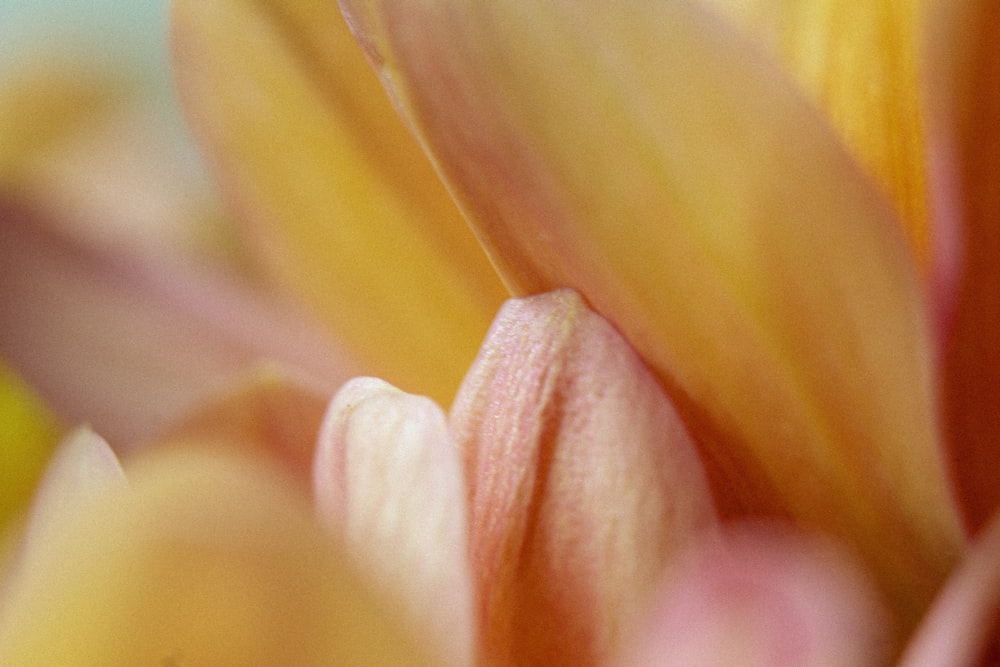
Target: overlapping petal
[651,157]
[341,201]
[860,61]
[964,99]
[206,559]
[583,483]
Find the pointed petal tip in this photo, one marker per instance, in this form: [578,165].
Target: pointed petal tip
[583,482]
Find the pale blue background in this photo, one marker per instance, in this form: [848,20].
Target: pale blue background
[135,30]
[132,36]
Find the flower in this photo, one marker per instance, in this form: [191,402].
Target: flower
[781,307]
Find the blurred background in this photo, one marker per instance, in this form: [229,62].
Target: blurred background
[107,216]
[88,116]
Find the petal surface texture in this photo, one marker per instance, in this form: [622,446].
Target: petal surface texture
[762,597]
[388,479]
[860,62]
[340,200]
[651,156]
[582,483]
[965,99]
[203,560]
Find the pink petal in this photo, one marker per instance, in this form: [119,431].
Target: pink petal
[764,597]
[582,481]
[128,343]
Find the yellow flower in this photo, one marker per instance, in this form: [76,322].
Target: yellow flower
[759,236]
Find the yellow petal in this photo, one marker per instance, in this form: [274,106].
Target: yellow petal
[389,480]
[860,61]
[207,560]
[964,99]
[28,433]
[651,157]
[339,198]
[583,483]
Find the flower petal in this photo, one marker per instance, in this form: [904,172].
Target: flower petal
[649,156]
[270,412]
[764,597]
[388,477]
[341,201]
[583,483]
[130,343]
[965,107]
[962,625]
[859,60]
[208,560]
[28,433]
[83,467]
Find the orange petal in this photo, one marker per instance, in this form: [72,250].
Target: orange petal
[859,60]
[764,597]
[130,343]
[649,156]
[388,476]
[962,625]
[208,560]
[270,412]
[965,106]
[583,483]
[339,198]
